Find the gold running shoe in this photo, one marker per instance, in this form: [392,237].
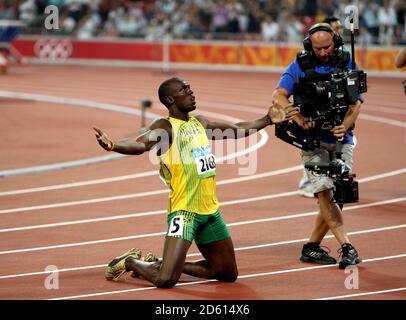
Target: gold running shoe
[149,257]
[116,268]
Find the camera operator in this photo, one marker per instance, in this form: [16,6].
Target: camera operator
[324,54]
[305,186]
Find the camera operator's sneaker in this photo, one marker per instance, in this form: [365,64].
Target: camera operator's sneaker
[116,267]
[306,191]
[349,257]
[312,252]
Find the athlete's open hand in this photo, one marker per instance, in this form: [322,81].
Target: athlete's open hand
[278,113]
[103,140]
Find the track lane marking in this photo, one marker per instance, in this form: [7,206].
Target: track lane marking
[115,108]
[248,276]
[294,216]
[363,294]
[151,193]
[266,245]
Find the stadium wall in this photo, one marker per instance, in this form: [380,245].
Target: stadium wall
[250,56]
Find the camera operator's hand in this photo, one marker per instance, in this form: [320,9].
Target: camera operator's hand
[339,132]
[278,113]
[305,123]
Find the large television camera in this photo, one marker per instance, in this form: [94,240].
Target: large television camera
[324,99]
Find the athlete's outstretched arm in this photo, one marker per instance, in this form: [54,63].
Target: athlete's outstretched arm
[276,113]
[160,131]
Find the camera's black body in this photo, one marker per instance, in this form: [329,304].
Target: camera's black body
[325,98]
[346,188]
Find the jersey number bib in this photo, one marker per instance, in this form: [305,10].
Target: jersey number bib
[205,162]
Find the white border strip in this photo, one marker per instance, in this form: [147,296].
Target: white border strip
[71,102]
[186,66]
[363,294]
[260,246]
[156,192]
[255,199]
[115,108]
[239,277]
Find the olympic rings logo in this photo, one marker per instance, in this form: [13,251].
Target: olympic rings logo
[53,49]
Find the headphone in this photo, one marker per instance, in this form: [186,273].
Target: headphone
[337,39]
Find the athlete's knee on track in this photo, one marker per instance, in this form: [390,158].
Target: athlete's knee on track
[166,281]
[228,276]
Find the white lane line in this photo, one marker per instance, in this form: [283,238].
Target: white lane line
[248,276]
[59,165]
[150,213]
[143,214]
[385,109]
[294,216]
[81,202]
[150,193]
[69,223]
[260,246]
[387,121]
[73,102]
[80,184]
[151,173]
[115,108]
[156,192]
[363,294]
[383,175]
[130,177]
[220,159]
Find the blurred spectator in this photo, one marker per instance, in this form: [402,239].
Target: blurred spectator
[370,16]
[242,17]
[130,23]
[28,11]
[157,28]
[68,24]
[336,24]
[269,29]
[7,11]
[220,17]
[387,23]
[327,7]
[380,21]
[401,17]
[76,8]
[58,3]
[233,24]
[291,27]
[88,25]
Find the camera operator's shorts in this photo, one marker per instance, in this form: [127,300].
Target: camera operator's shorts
[203,228]
[322,155]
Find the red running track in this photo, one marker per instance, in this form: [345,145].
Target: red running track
[80,229]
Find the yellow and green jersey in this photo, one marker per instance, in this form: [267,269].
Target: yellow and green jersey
[188,167]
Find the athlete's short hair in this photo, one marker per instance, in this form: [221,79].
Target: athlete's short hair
[163,90]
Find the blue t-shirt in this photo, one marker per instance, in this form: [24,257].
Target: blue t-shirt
[291,76]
